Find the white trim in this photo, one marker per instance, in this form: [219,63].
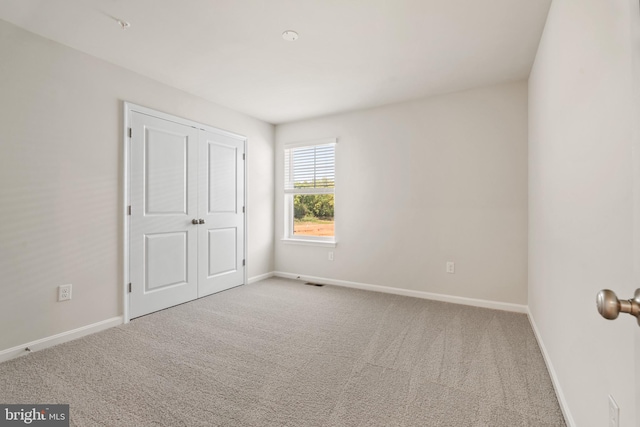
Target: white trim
[260,277]
[63,337]
[495,305]
[125,209]
[245,215]
[328,190]
[129,107]
[311,143]
[309,242]
[564,406]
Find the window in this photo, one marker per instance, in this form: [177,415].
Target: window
[309,189]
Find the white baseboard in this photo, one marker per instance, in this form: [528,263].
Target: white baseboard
[552,373]
[259,277]
[496,305]
[43,343]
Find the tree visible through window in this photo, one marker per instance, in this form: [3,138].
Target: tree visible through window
[309,191]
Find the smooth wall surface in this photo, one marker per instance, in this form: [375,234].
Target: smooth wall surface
[583,155]
[419,184]
[61,178]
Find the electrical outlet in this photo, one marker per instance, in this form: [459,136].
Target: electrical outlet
[330,256]
[451,267]
[64,292]
[614,413]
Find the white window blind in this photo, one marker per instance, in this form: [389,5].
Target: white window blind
[310,169]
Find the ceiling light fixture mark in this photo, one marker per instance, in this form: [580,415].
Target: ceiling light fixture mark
[290,36]
[123,24]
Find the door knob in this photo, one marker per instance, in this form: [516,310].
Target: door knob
[609,306]
[194,221]
[201,221]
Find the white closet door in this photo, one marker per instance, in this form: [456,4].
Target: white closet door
[164,201]
[221,203]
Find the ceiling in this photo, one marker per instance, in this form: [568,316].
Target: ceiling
[351,54]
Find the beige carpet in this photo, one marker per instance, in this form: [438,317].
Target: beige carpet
[280,353]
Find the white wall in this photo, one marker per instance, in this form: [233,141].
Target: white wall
[61,182]
[422,183]
[581,209]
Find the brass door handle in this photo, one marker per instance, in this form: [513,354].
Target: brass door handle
[194,221]
[609,306]
[201,221]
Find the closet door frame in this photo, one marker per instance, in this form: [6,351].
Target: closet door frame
[129,108]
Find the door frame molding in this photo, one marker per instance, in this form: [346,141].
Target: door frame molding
[126,162]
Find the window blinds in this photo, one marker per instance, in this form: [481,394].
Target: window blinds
[310,169]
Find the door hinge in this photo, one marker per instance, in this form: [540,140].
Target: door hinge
[243,209]
[129,210]
[129,287]
[243,156]
[243,262]
[130,132]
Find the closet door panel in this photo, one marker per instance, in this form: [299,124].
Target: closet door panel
[221,203]
[164,200]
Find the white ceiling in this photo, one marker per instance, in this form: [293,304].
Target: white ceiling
[351,54]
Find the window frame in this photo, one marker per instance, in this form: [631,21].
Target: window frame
[289,236]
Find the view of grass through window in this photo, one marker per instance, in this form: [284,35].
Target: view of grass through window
[313,215]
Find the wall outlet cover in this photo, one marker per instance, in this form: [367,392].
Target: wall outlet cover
[451,267]
[64,292]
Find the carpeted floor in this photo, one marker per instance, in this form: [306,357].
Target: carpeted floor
[280,353]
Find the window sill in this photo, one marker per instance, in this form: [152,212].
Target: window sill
[322,243]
